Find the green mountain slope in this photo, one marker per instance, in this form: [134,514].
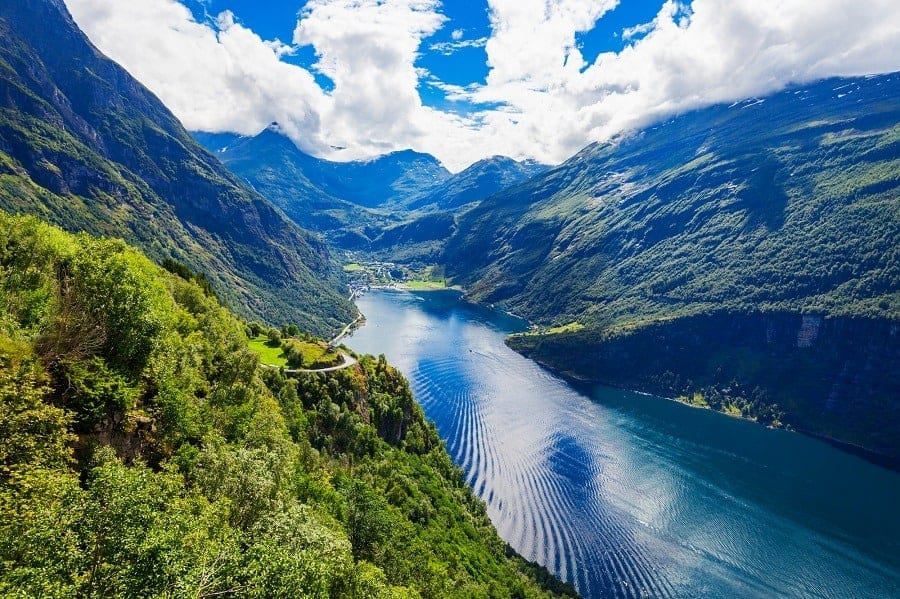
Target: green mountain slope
[146,453]
[788,203]
[749,254]
[84,145]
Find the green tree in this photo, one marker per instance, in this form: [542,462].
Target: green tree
[367,518]
[34,432]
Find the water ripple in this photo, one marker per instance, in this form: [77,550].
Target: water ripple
[628,495]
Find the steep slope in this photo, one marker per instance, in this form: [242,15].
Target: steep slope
[145,453]
[85,146]
[387,180]
[478,181]
[432,217]
[748,254]
[788,202]
[216,142]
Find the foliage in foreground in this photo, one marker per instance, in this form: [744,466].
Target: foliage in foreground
[146,453]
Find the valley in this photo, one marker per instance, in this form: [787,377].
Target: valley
[697,258]
[291,306]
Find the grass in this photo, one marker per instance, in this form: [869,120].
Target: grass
[353,267]
[267,354]
[695,399]
[418,285]
[732,410]
[572,327]
[316,354]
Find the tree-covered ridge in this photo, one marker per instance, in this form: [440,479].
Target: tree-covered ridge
[146,453]
[788,203]
[85,146]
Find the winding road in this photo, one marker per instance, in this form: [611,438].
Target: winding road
[347,363]
[347,359]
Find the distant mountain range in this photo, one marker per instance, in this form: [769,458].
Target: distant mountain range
[355,202]
[477,182]
[84,145]
[387,180]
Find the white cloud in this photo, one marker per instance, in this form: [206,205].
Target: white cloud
[367,48]
[448,48]
[637,31]
[212,79]
[715,51]
[544,100]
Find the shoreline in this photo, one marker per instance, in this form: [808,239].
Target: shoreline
[406,287]
[576,380]
[868,455]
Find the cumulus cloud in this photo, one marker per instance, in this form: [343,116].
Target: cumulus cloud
[542,98]
[214,79]
[689,56]
[726,50]
[367,48]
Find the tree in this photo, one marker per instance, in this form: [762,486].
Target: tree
[34,432]
[367,519]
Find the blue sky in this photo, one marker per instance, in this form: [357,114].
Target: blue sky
[467,79]
[468,20]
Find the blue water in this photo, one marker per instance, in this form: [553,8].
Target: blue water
[628,495]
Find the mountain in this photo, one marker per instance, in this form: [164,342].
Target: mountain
[432,218]
[397,204]
[389,179]
[297,183]
[756,243]
[85,146]
[216,142]
[787,202]
[478,181]
[274,165]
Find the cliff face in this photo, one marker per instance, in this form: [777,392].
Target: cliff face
[833,377]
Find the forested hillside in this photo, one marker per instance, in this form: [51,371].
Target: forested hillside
[85,146]
[146,453]
[306,188]
[783,203]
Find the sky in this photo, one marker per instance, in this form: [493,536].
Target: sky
[468,79]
